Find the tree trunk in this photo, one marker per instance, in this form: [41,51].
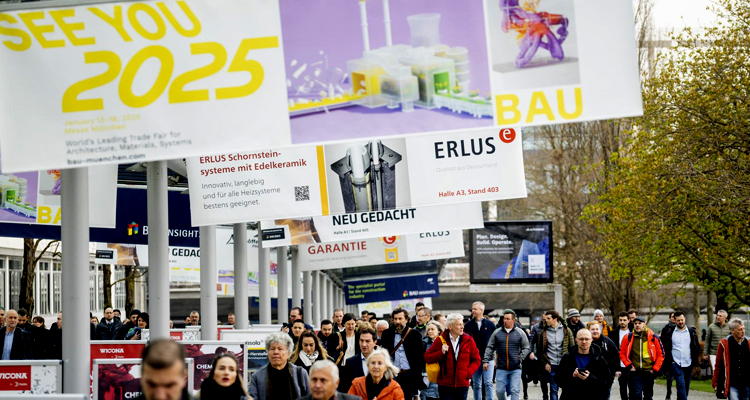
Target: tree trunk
[130,272]
[26,295]
[710,310]
[108,286]
[697,309]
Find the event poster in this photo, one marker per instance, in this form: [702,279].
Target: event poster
[121,379]
[420,67]
[382,250]
[204,352]
[31,377]
[255,340]
[559,61]
[140,81]
[114,349]
[512,252]
[340,227]
[360,176]
[388,288]
[35,197]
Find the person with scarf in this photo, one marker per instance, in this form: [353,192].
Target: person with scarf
[380,382]
[279,379]
[224,381]
[308,351]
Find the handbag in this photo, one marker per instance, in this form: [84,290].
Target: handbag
[433,369]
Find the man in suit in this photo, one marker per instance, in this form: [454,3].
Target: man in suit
[356,365]
[407,351]
[15,343]
[324,378]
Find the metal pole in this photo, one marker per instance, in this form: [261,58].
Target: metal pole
[158,249]
[297,288]
[324,305]
[76,349]
[264,282]
[241,312]
[308,290]
[317,299]
[331,297]
[559,299]
[282,270]
[209,304]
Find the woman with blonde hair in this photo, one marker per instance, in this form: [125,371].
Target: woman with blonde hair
[380,382]
[308,351]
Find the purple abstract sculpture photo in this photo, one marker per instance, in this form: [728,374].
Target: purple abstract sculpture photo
[533,28]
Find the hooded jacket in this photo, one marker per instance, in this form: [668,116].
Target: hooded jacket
[610,352]
[596,386]
[721,370]
[454,373]
[542,342]
[654,350]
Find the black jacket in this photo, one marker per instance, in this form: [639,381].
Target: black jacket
[37,338]
[345,345]
[22,345]
[481,336]
[331,343]
[412,346]
[610,352]
[574,328]
[352,369]
[123,330]
[614,334]
[107,331]
[666,341]
[596,386]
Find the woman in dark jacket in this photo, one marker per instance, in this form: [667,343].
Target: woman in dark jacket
[224,381]
[308,351]
[434,329]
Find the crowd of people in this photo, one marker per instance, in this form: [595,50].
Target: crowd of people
[426,356]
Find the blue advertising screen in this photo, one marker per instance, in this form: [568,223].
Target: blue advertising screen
[512,252]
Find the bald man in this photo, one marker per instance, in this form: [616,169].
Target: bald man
[14,342]
[583,372]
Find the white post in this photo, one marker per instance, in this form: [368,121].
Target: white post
[307,290]
[317,298]
[76,349]
[363,23]
[209,303]
[297,286]
[264,282]
[241,312]
[559,299]
[282,270]
[158,249]
[324,305]
[331,298]
[387,22]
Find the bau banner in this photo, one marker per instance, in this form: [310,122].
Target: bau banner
[357,177]
[342,227]
[375,251]
[512,252]
[391,288]
[30,377]
[138,81]
[35,197]
[559,61]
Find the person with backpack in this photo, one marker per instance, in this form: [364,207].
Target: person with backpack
[512,346]
[643,355]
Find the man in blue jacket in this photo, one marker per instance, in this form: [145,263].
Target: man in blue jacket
[481,329]
[512,346]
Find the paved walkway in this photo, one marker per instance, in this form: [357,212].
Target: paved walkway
[660,392]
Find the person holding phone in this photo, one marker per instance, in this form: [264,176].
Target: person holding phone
[583,371]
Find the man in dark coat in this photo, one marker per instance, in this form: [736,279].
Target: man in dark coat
[356,365]
[19,346]
[405,347]
[108,326]
[583,372]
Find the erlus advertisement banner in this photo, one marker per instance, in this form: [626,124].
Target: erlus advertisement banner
[559,61]
[382,250]
[358,178]
[340,227]
[140,81]
[35,197]
[387,289]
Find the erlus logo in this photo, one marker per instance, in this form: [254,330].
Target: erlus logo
[132,229]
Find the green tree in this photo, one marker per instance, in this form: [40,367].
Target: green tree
[677,205]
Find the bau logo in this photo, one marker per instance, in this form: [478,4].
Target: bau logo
[132,229]
[406,293]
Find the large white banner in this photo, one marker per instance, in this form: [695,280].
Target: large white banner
[383,250]
[358,177]
[342,227]
[139,81]
[559,61]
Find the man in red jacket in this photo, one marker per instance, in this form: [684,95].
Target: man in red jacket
[458,359]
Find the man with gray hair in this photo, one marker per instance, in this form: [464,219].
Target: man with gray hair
[279,379]
[458,357]
[324,379]
[381,326]
[716,331]
[423,317]
[733,364]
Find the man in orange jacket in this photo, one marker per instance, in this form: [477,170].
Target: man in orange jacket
[643,354]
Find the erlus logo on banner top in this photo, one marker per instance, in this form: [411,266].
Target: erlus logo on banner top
[15,377]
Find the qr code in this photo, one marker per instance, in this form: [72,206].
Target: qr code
[301,193]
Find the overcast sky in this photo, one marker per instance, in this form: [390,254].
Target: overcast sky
[681,13]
